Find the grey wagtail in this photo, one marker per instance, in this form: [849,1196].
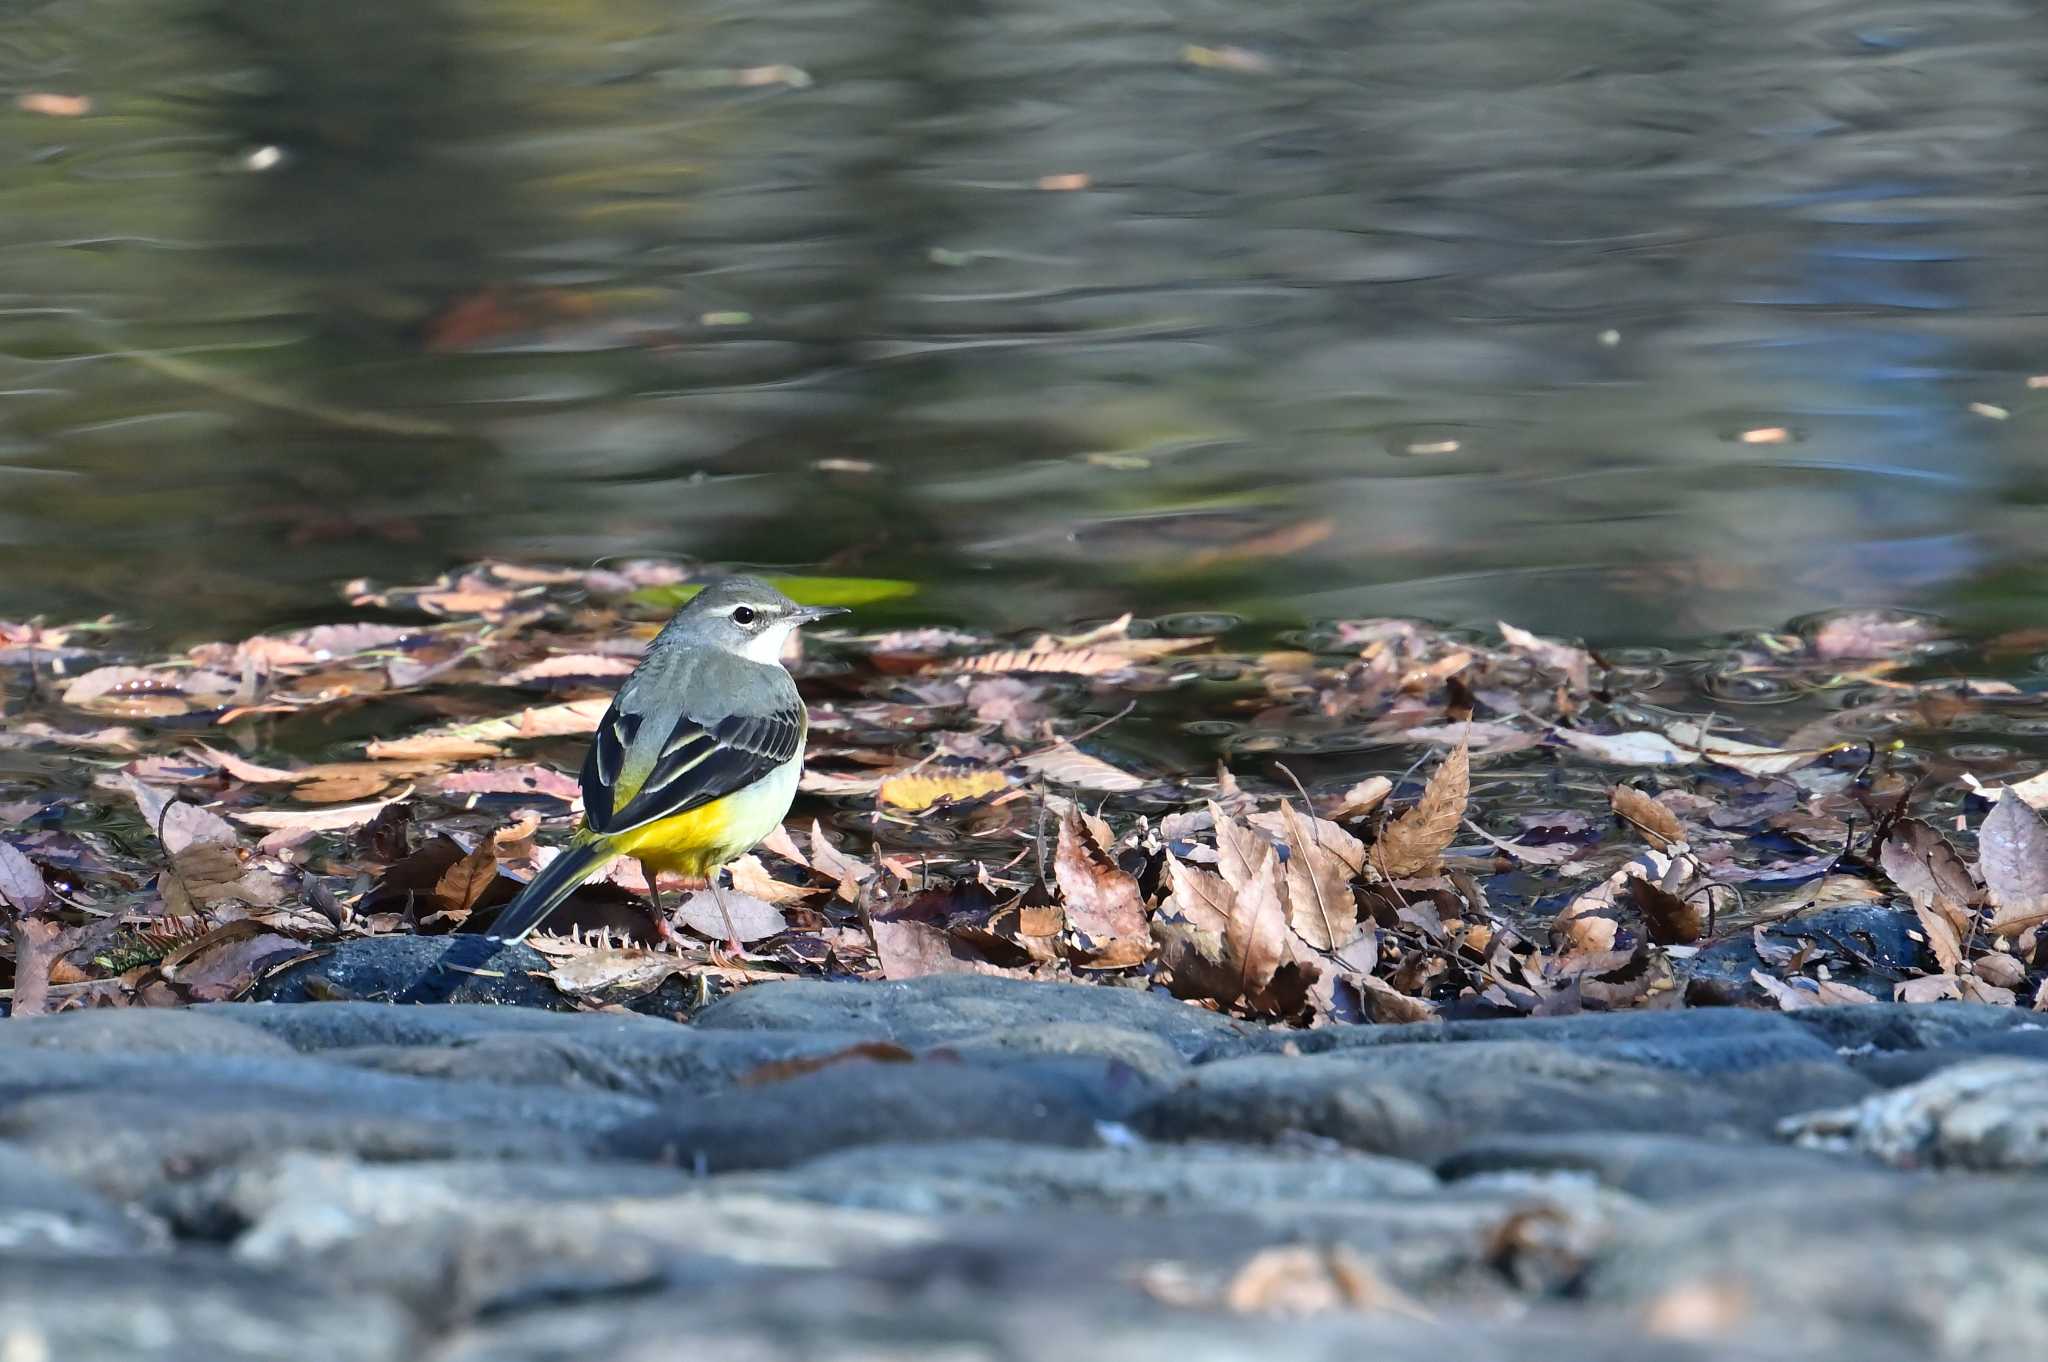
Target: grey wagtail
[697,759]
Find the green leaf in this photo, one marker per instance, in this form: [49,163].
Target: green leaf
[847,591]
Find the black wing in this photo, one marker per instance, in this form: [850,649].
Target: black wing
[697,764]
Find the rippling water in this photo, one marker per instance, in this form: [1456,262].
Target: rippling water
[1638,320]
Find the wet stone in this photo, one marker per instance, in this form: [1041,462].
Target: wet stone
[943,1009]
[1047,1101]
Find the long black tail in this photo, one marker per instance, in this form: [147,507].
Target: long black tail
[546,890]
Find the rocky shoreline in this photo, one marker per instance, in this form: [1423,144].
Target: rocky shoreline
[961,1167]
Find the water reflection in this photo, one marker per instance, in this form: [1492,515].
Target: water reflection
[1469,308]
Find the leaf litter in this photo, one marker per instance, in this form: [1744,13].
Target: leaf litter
[1383,821]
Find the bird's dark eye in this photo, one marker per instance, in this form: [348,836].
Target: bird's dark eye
[744,614]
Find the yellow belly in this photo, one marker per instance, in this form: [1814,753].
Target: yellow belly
[697,843]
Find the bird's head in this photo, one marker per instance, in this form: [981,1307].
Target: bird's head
[744,615]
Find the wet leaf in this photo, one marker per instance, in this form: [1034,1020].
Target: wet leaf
[1941,936]
[1627,749]
[1362,798]
[1070,766]
[1105,912]
[331,819]
[1870,634]
[22,887]
[1575,664]
[525,779]
[223,964]
[1748,758]
[1799,994]
[909,949]
[830,862]
[463,885]
[1657,823]
[1414,843]
[920,790]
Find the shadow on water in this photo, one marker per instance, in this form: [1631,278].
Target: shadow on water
[1642,321]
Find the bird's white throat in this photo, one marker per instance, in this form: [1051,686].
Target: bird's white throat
[767,645]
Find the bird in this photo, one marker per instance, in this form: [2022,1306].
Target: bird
[697,758]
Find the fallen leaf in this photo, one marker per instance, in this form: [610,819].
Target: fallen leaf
[330,819]
[1362,798]
[1673,921]
[574,664]
[2012,856]
[1748,758]
[1999,971]
[1066,661]
[1576,664]
[1870,634]
[1105,912]
[1626,749]
[1070,766]
[443,747]
[745,919]
[921,790]
[908,949]
[1799,994]
[1591,920]
[225,963]
[37,944]
[1920,861]
[1414,843]
[830,862]
[751,877]
[1941,938]
[1323,859]
[1300,1279]
[629,969]
[1656,822]
[528,779]
[22,887]
[463,885]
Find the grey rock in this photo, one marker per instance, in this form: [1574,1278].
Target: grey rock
[452,1238]
[1656,1167]
[142,1031]
[1049,1101]
[1944,1268]
[1696,1041]
[314,1027]
[1149,1054]
[126,1125]
[1990,1115]
[956,1319]
[417,969]
[1421,1101]
[1003,1175]
[190,1307]
[1906,1026]
[43,1211]
[946,1008]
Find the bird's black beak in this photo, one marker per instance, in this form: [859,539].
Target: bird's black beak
[806,614]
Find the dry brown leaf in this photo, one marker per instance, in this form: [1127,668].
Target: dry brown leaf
[1068,661]
[834,865]
[2012,855]
[1999,971]
[1240,847]
[1362,798]
[1257,941]
[224,963]
[330,819]
[1590,921]
[1924,866]
[438,747]
[1941,937]
[1320,868]
[908,949]
[1657,823]
[750,876]
[1673,921]
[1825,992]
[633,969]
[1105,911]
[1414,843]
[37,944]
[463,884]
